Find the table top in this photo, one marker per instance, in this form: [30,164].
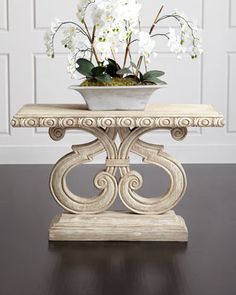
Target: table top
[156,115]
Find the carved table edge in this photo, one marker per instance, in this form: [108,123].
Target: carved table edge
[152,122]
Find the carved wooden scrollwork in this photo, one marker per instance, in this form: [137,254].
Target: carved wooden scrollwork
[105,180]
[132,181]
[179,133]
[56,133]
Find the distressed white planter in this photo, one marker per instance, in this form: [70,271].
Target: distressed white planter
[100,98]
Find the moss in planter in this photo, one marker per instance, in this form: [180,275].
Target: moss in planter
[114,82]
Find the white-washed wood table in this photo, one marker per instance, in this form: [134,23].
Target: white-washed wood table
[148,219]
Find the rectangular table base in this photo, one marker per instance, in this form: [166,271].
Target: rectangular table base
[118,226]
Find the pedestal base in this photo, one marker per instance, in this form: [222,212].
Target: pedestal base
[118,226]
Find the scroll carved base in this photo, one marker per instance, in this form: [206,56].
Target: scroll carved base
[118,226]
[87,218]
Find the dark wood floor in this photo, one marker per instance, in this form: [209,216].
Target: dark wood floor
[29,265]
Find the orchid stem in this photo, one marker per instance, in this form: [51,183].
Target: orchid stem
[91,41]
[126,51]
[113,54]
[150,32]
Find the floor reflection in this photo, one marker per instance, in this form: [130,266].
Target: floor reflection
[117,268]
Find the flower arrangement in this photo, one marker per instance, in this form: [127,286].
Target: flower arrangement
[115,28]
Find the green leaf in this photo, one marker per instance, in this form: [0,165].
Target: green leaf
[85,67]
[124,71]
[112,61]
[112,68]
[153,74]
[154,80]
[159,81]
[104,77]
[97,71]
[141,76]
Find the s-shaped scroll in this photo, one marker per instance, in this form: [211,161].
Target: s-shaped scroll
[105,180]
[152,154]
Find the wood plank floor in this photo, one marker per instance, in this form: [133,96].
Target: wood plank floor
[29,265]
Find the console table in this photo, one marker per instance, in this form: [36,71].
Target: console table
[146,219]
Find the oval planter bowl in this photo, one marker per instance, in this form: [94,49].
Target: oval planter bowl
[105,98]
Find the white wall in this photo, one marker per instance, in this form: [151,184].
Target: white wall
[28,76]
